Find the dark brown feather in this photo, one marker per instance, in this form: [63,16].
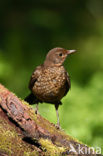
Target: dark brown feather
[35,76]
[68,84]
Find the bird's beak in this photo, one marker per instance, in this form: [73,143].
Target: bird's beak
[70,51]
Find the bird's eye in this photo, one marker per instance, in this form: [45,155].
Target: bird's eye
[60,54]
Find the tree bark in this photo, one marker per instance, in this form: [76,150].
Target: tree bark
[24,133]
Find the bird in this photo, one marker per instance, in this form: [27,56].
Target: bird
[50,82]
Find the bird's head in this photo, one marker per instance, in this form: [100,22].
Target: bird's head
[57,56]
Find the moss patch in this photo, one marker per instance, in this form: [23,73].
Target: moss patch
[11,141]
[50,148]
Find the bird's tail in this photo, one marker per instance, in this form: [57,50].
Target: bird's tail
[31,99]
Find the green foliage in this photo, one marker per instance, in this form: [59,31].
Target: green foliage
[29,29]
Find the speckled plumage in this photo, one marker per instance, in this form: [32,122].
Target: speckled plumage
[52,83]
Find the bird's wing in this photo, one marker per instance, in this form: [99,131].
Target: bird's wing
[68,84]
[34,77]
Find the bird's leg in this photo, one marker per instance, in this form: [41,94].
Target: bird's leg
[36,109]
[57,113]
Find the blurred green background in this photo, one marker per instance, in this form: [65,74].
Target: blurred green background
[29,29]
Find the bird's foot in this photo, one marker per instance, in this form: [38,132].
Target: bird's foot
[57,126]
[36,109]
[36,112]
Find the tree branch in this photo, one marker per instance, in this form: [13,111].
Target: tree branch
[30,132]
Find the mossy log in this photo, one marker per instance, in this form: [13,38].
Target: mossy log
[24,133]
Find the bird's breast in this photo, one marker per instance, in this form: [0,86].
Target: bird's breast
[50,86]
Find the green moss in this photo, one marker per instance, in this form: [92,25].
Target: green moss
[50,148]
[11,142]
[34,153]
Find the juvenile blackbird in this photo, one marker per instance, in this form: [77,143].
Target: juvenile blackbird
[50,82]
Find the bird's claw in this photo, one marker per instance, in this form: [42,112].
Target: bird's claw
[57,126]
[36,112]
[36,109]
